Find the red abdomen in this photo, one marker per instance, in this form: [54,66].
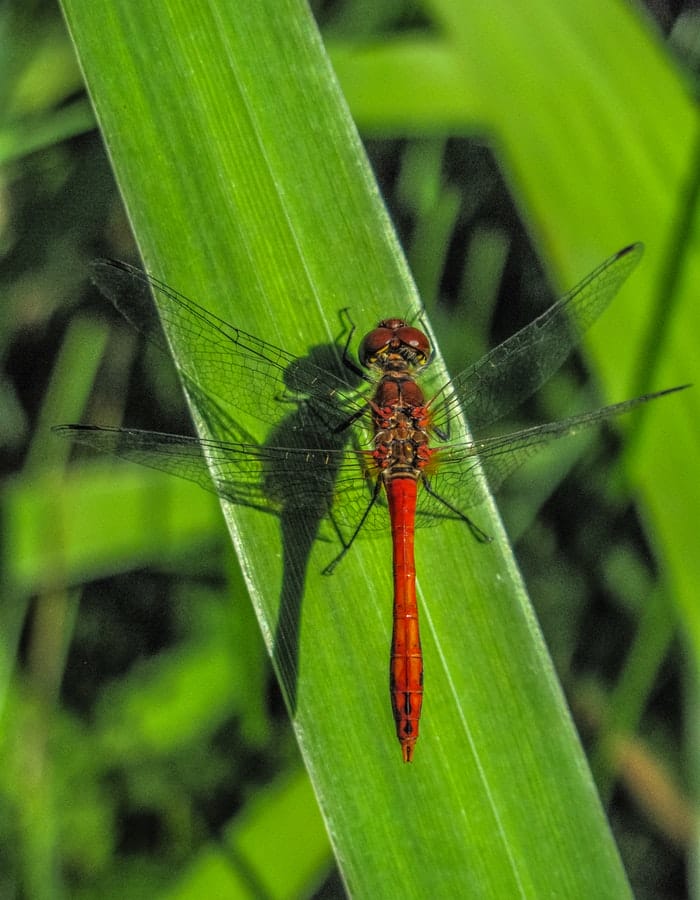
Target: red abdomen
[406,668]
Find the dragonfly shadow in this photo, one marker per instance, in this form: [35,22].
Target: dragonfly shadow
[297,486]
[303,509]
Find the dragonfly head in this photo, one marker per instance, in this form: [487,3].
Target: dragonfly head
[394,346]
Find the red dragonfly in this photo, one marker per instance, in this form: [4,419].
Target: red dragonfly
[350,452]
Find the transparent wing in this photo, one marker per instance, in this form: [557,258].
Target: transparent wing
[513,371]
[335,479]
[335,483]
[452,470]
[249,374]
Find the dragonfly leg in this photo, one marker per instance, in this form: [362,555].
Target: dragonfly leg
[481,536]
[347,359]
[334,562]
[344,425]
[443,434]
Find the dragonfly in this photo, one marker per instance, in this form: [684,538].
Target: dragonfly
[364,449]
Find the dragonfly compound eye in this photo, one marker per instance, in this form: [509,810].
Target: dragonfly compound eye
[416,340]
[394,336]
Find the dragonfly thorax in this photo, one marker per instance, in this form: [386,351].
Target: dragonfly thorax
[400,421]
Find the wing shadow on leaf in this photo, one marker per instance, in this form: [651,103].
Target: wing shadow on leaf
[293,475]
[227,373]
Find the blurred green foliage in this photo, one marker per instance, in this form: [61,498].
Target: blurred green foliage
[144,747]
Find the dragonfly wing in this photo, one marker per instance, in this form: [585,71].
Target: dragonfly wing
[455,477]
[513,371]
[335,483]
[250,374]
[178,455]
